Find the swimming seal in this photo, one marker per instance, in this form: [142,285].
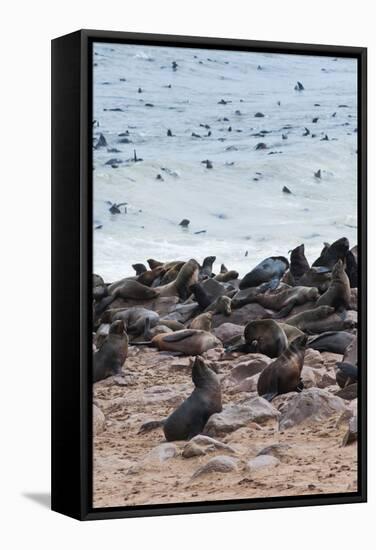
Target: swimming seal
[269,270]
[188,342]
[330,256]
[110,358]
[338,294]
[190,418]
[262,336]
[284,374]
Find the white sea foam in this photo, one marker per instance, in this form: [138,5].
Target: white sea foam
[245,215]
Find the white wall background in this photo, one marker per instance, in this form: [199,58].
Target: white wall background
[27,28]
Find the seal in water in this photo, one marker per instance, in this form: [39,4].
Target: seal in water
[330,256]
[190,418]
[269,271]
[338,294]
[262,336]
[188,341]
[284,374]
[110,358]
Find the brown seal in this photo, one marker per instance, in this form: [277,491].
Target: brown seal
[202,322]
[286,299]
[222,304]
[227,276]
[148,277]
[307,319]
[187,276]
[191,416]
[135,318]
[110,358]
[284,374]
[338,294]
[330,255]
[132,290]
[262,336]
[298,263]
[188,341]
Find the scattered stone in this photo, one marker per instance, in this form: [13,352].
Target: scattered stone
[220,464]
[163,452]
[202,444]
[313,404]
[262,462]
[278,450]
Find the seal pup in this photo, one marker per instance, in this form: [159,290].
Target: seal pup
[298,263]
[191,416]
[330,256]
[338,294]
[270,270]
[227,276]
[262,336]
[187,341]
[202,322]
[284,374]
[187,276]
[110,358]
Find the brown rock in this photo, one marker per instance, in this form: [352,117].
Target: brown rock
[99,420]
[220,464]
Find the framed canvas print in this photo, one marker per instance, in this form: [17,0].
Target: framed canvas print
[209,274]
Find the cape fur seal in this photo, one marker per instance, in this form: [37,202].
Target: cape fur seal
[352,269]
[346,374]
[221,305]
[188,341]
[338,294]
[139,268]
[135,318]
[269,270]
[286,299]
[262,336]
[330,255]
[227,276]
[202,322]
[148,277]
[206,269]
[187,276]
[307,319]
[298,263]
[110,358]
[318,277]
[284,374]
[332,341]
[133,290]
[190,418]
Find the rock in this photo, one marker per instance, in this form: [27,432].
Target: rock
[352,433]
[313,359]
[242,316]
[277,450]
[99,420]
[348,392]
[328,379]
[311,377]
[214,354]
[313,404]
[163,452]
[262,462]
[247,369]
[183,312]
[227,331]
[248,385]
[235,416]
[221,464]
[213,289]
[202,444]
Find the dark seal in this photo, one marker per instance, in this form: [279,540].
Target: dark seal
[110,358]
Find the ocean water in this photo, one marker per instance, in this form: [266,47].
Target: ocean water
[239,203]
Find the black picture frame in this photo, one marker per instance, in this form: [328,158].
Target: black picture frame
[71,273]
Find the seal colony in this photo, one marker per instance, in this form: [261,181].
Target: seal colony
[242,337]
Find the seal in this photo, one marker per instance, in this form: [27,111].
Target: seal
[346,374]
[222,304]
[139,268]
[264,336]
[191,416]
[133,290]
[270,270]
[290,331]
[284,374]
[298,263]
[227,276]
[351,352]
[202,322]
[187,276]
[318,277]
[206,270]
[352,269]
[201,296]
[148,277]
[330,256]
[286,299]
[188,342]
[110,358]
[332,341]
[307,319]
[171,273]
[338,294]
[135,318]
[154,263]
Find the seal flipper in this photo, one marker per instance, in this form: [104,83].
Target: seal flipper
[151,425]
[269,396]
